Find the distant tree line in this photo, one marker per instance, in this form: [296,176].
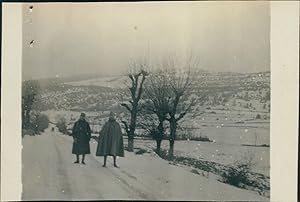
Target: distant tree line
[33,122]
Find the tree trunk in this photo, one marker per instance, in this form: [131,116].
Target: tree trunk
[130,144]
[159,136]
[132,129]
[172,137]
[158,143]
[171,150]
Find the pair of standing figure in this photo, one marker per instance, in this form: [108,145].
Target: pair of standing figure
[110,140]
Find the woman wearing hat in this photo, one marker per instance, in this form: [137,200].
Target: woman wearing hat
[110,141]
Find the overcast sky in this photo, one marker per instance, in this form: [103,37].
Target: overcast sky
[79,38]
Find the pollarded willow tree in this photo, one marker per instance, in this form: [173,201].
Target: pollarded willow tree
[168,92]
[180,75]
[157,96]
[136,77]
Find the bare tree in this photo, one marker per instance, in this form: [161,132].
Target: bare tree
[181,81]
[157,94]
[137,77]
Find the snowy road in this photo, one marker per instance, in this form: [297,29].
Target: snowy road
[49,173]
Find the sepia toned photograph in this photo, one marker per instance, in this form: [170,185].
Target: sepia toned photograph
[146,101]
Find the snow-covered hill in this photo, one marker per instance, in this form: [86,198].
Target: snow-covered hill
[109,81]
[250,92]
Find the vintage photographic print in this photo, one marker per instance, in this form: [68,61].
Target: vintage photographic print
[146,100]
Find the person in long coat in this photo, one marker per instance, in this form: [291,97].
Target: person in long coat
[110,140]
[82,135]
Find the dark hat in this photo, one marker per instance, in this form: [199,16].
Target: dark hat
[82,115]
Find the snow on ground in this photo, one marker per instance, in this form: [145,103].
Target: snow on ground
[227,135]
[220,153]
[48,173]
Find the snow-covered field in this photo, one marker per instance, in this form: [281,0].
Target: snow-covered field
[231,141]
[49,174]
[228,137]
[109,81]
[224,154]
[235,117]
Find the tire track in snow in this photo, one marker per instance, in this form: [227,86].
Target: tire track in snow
[142,194]
[120,181]
[125,182]
[78,192]
[62,172]
[93,163]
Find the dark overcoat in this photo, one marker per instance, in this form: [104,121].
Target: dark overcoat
[110,140]
[82,134]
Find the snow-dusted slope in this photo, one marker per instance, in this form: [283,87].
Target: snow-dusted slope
[109,81]
[49,173]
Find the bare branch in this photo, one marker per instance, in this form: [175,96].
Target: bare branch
[125,126]
[140,91]
[126,106]
[181,115]
[131,77]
